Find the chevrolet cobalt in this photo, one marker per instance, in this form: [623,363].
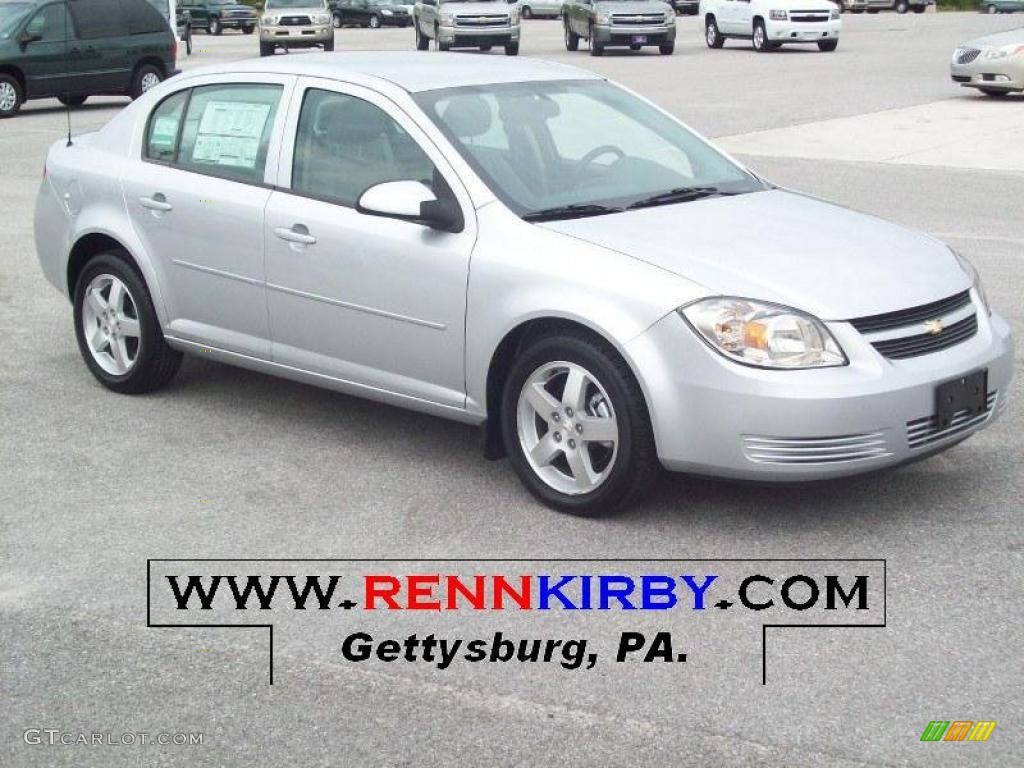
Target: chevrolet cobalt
[522,246]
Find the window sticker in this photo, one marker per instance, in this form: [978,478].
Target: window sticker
[230,133]
[164,133]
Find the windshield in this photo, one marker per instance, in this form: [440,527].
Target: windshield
[10,15]
[588,145]
[278,4]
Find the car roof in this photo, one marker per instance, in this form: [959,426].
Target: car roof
[411,71]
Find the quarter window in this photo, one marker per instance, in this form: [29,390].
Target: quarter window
[344,145]
[164,123]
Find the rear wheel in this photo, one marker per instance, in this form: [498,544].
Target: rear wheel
[994,92]
[11,96]
[919,8]
[72,101]
[146,77]
[760,39]
[188,40]
[375,22]
[247,30]
[902,6]
[117,328]
[485,48]
[575,425]
[992,9]
[336,21]
[827,46]
[572,40]
[527,12]
[635,47]
[712,36]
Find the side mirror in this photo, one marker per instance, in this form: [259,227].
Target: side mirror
[27,37]
[411,201]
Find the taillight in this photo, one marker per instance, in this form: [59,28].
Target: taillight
[174,47]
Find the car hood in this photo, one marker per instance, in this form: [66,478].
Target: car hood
[237,7]
[997,40]
[633,6]
[484,8]
[785,248]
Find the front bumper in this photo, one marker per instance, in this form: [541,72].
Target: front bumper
[622,35]
[239,22]
[297,36]
[1006,73]
[802,32]
[712,416]
[404,20]
[459,37]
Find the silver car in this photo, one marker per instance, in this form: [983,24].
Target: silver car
[993,64]
[517,245]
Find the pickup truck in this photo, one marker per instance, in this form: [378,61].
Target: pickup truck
[480,24]
[628,23]
[769,24]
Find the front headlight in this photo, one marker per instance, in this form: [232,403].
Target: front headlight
[975,281]
[1005,52]
[604,18]
[763,335]
[323,18]
[447,19]
[833,14]
[777,15]
[270,21]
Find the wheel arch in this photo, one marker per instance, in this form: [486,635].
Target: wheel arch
[156,61]
[511,345]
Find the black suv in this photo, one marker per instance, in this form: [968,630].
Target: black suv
[217,15]
[100,47]
[370,13]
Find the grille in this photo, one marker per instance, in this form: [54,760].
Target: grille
[808,16]
[926,430]
[481,22]
[241,13]
[926,343]
[967,55]
[911,316]
[815,450]
[638,19]
[295,21]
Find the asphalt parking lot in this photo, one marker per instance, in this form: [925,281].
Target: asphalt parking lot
[227,463]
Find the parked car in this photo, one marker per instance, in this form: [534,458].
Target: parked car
[295,24]
[994,64]
[371,13]
[874,6]
[214,16]
[769,24]
[597,301]
[1001,6]
[619,23]
[480,24]
[535,9]
[124,47]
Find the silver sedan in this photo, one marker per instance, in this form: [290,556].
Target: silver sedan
[993,64]
[522,246]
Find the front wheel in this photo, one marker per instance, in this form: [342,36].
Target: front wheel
[596,49]
[72,101]
[997,93]
[117,329]
[575,425]
[375,22]
[146,77]
[336,21]
[902,6]
[247,30]
[266,49]
[572,40]
[216,28]
[329,45]
[827,46]
[760,40]
[11,96]
[512,49]
[712,36]
[667,49]
[527,12]
[422,41]
[992,9]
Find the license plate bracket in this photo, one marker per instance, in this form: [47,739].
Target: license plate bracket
[638,39]
[966,393]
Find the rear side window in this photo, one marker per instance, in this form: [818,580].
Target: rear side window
[143,18]
[227,130]
[164,124]
[95,19]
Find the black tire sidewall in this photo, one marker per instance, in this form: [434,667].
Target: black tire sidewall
[596,359]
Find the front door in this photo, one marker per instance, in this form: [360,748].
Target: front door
[374,301]
[49,63]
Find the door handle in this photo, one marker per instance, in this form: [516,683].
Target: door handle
[297,234]
[156,203]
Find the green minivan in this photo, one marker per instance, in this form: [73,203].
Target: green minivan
[99,47]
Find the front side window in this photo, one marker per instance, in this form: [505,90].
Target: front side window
[586,145]
[344,145]
[49,25]
[227,130]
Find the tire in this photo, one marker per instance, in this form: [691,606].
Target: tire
[527,13]
[336,21]
[625,469]
[374,22]
[11,96]
[146,76]
[572,40]
[827,46]
[996,93]
[667,49]
[422,42]
[215,28]
[991,9]
[266,49]
[154,363]
[247,30]
[712,36]
[512,49]
[72,101]
[596,49]
[485,48]
[188,41]
[329,45]
[902,6]
[760,38]
[635,47]
[920,8]
[441,46]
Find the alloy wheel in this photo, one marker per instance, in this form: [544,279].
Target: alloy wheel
[8,97]
[567,428]
[110,324]
[149,81]
[759,37]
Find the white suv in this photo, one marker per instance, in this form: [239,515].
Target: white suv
[770,23]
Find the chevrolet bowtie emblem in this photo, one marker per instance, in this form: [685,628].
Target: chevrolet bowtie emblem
[933,327]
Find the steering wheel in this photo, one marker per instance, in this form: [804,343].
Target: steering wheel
[584,162]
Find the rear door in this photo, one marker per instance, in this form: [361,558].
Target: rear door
[197,200]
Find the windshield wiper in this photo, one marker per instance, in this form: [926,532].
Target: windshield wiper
[575,211]
[678,195]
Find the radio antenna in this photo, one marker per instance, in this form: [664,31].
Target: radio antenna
[67,69]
